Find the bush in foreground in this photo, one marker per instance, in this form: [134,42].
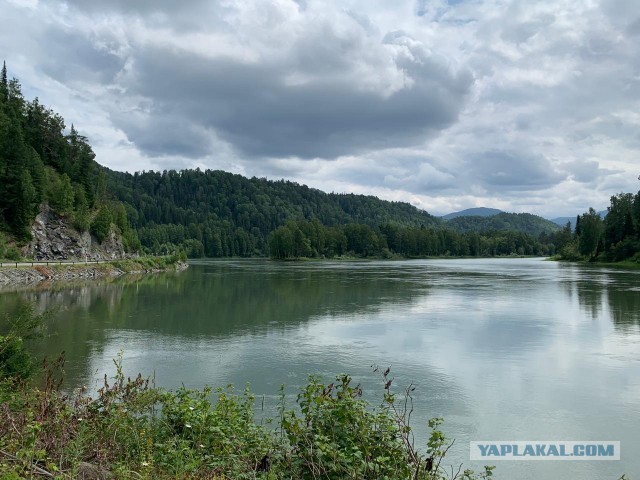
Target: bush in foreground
[134,430]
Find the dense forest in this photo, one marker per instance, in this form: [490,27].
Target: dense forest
[40,162]
[219,214]
[520,222]
[613,239]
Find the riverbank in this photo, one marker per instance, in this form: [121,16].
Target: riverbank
[29,274]
[133,430]
[624,264]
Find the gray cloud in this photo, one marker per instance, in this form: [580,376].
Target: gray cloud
[252,107]
[514,171]
[634,27]
[446,104]
[588,171]
[146,8]
[90,62]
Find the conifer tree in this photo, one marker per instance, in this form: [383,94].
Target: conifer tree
[4,85]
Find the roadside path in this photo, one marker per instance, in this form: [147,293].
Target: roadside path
[51,262]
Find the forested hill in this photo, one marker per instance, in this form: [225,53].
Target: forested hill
[43,162]
[521,222]
[473,212]
[215,213]
[229,214]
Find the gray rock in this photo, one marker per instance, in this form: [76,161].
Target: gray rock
[54,238]
[88,471]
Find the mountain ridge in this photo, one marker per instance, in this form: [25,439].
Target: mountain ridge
[473,212]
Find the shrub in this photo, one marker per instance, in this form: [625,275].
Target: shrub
[13,253]
[15,360]
[134,430]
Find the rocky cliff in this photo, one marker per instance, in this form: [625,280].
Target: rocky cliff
[54,238]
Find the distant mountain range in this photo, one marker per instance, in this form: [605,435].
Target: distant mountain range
[491,212]
[562,221]
[473,212]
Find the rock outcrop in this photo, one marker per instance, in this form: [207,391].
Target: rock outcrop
[54,238]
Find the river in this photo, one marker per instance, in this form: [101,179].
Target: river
[503,349]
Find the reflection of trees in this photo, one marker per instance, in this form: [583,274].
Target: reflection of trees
[590,297]
[594,285]
[588,290]
[625,306]
[216,299]
[84,311]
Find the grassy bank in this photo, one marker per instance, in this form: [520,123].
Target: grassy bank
[144,264]
[133,430]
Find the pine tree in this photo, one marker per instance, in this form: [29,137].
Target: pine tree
[4,85]
[101,225]
[11,177]
[65,195]
[25,207]
[81,214]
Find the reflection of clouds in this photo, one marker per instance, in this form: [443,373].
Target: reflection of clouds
[503,349]
[171,361]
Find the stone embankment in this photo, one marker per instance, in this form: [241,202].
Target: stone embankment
[26,275]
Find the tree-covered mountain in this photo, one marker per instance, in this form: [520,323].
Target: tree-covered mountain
[520,222]
[210,213]
[219,214]
[473,212]
[42,162]
[215,213]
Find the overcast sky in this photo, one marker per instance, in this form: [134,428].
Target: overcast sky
[519,105]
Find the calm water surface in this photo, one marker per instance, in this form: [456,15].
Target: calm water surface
[509,349]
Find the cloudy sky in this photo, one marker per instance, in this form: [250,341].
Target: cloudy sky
[520,105]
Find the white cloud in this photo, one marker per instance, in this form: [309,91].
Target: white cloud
[505,103]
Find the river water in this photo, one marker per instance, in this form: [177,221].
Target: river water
[503,349]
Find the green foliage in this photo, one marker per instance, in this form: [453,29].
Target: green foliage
[233,216]
[591,230]
[130,241]
[312,239]
[616,239]
[101,224]
[25,324]
[12,253]
[39,163]
[134,430]
[222,437]
[288,241]
[81,215]
[571,251]
[60,192]
[230,215]
[64,195]
[338,436]
[521,222]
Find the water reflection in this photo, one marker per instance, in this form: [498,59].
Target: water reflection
[503,349]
